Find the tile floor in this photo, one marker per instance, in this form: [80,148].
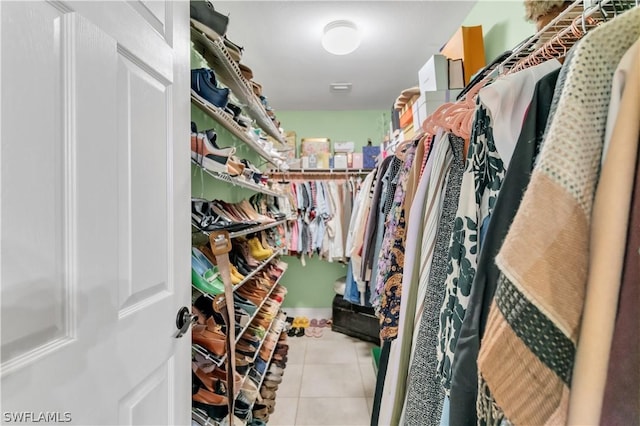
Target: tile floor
[329,380]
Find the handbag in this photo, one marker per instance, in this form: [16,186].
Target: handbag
[204,12]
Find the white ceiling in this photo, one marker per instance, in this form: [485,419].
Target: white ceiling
[282,47]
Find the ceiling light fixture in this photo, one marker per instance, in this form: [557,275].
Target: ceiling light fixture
[340,87]
[341,37]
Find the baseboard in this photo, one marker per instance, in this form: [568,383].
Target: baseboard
[310,313]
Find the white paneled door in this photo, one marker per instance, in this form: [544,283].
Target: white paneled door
[94,218]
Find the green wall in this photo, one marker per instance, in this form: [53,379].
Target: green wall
[311,286]
[503,25]
[339,126]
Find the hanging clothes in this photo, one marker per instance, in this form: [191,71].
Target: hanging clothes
[531,382]
[606,255]
[394,383]
[424,395]
[391,266]
[464,381]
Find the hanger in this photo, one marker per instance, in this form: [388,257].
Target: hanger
[604,13]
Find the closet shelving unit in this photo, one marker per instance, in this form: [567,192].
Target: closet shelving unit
[220,360]
[229,73]
[225,177]
[227,122]
[322,171]
[204,419]
[247,231]
[273,351]
[248,277]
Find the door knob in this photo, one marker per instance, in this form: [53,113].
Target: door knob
[184,320]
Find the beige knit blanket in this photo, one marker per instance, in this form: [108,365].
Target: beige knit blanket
[527,353]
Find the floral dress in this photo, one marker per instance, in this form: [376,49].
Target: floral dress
[392,254]
[481,182]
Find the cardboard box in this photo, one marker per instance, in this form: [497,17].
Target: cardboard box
[344,147]
[357,161]
[456,74]
[415,109]
[340,161]
[466,44]
[434,99]
[434,75]
[406,118]
[369,156]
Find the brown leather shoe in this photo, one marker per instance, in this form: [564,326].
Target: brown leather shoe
[245,348]
[210,337]
[210,382]
[222,375]
[213,404]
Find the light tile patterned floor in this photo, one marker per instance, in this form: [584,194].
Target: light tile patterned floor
[329,381]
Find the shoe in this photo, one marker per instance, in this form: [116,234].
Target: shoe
[222,375]
[233,49]
[236,276]
[245,71]
[273,378]
[210,383]
[234,168]
[243,363]
[210,158]
[245,349]
[204,13]
[267,393]
[257,251]
[244,304]
[204,276]
[203,82]
[211,403]
[210,337]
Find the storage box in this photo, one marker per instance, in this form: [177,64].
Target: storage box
[406,118]
[343,147]
[456,74]
[466,44]
[434,75]
[433,100]
[369,155]
[340,161]
[355,321]
[416,113]
[409,132]
[357,160]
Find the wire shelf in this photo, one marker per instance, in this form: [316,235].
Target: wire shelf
[229,73]
[249,230]
[561,33]
[219,361]
[227,122]
[239,182]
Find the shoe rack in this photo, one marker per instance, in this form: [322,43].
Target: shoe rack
[267,317]
[238,181]
[249,230]
[229,73]
[219,361]
[222,118]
